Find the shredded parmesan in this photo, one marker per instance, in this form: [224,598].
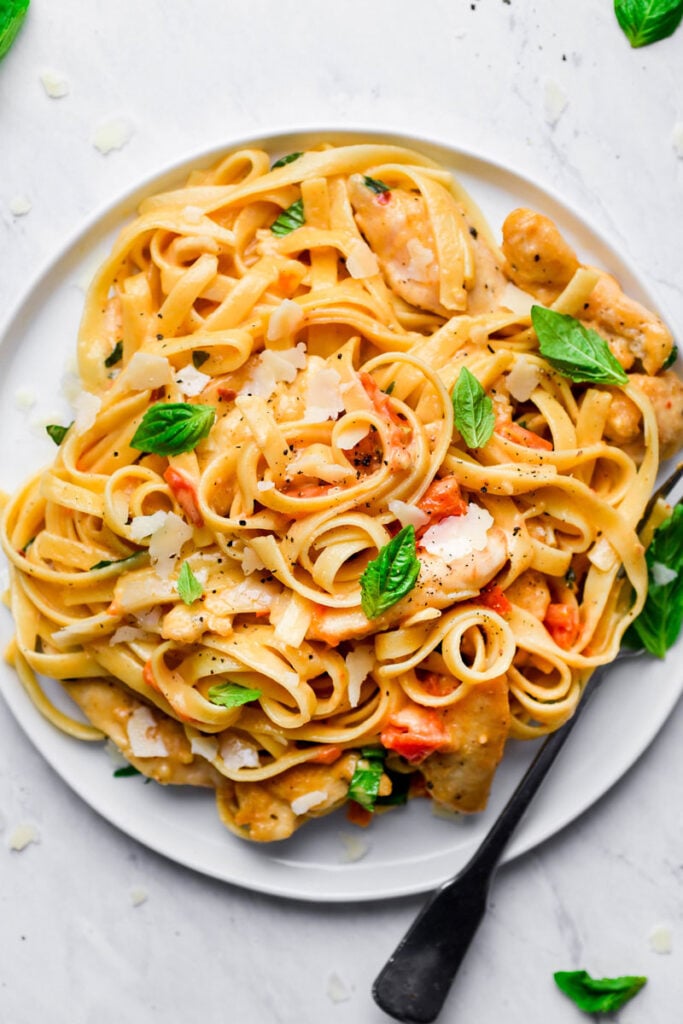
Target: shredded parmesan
[143,734]
[408,515]
[285,321]
[204,746]
[138,896]
[191,381]
[349,437]
[516,300]
[272,367]
[523,379]
[167,542]
[112,134]
[250,561]
[305,803]
[145,526]
[86,407]
[265,485]
[661,939]
[602,554]
[361,261]
[20,205]
[457,536]
[55,85]
[237,754]
[337,990]
[146,370]
[359,661]
[323,397]
[22,835]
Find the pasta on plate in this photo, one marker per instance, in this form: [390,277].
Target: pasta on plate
[351,492]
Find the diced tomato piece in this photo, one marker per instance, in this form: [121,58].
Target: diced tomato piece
[438,685]
[563,623]
[228,394]
[326,755]
[443,498]
[414,732]
[381,401]
[358,815]
[520,435]
[493,597]
[185,492]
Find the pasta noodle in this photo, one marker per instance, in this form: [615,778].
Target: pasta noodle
[266,558]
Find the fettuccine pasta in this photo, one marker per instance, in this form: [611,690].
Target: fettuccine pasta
[268,556]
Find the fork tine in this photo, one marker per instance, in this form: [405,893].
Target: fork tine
[662,491]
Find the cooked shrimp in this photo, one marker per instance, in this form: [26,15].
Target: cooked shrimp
[624,421]
[397,226]
[632,331]
[439,585]
[477,726]
[538,259]
[530,591]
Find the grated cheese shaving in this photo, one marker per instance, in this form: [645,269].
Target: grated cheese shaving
[523,379]
[145,526]
[457,536]
[307,801]
[250,561]
[112,134]
[20,205]
[323,397]
[138,896]
[408,515]
[237,754]
[359,661]
[126,633]
[204,746]
[349,437]
[361,261]
[167,542]
[143,734]
[661,939]
[146,370]
[337,990]
[273,367]
[24,398]
[54,84]
[662,574]
[265,485]
[191,381]
[285,320]
[602,554]
[22,835]
[86,407]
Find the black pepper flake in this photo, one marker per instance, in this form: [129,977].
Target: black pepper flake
[160,337]
[474,232]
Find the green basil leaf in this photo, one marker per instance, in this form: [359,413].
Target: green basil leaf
[389,389]
[117,561]
[375,185]
[290,219]
[12,14]
[647,21]
[473,410]
[575,351]
[367,775]
[199,358]
[391,575]
[659,623]
[170,428]
[232,695]
[598,995]
[188,586]
[671,358]
[115,356]
[284,160]
[125,771]
[57,432]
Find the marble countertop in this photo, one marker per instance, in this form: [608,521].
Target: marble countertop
[93,926]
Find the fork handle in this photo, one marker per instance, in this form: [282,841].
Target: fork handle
[413,984]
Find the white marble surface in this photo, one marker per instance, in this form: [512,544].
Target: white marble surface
[490,75]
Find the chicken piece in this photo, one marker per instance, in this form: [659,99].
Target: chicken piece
[397,226]
[624,422]
[262,811]
[439,585]
[631,330]
[461,775]
[530,591]
[109,707]
[538,259]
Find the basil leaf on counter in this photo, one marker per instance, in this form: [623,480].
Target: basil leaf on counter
[290,219]
[232,695]
[598,995]
[115,356]
[284,160]
[647,21]
[170,428]
[188,586]
[659,623]
[575,351]
[12,14]
[57,432]
[375,185]
[391,575]
[473,410]
[367,775]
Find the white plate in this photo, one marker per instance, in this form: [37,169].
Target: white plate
[409,850]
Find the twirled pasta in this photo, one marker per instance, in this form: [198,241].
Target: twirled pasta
[329,352]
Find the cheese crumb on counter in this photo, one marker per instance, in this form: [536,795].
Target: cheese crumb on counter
[677,139]
[661,939]
[337,990]
[54,84]
[355,848]
[24,398]
[138,896]
[20,205]
[112,134]
[22,835]
[554,102]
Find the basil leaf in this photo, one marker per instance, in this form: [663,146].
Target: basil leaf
[473,410]
[671,358]
[391,575]
[170,428]
[647,21]
[598,995]
[232,695]
[290,219]
[57,432]
[12,14]
[659,623]
[125,771]
[575,351]
[375,185]
[284,160]
[389,389]
[400,784]
[199,358]
[115,356]
[188,586]
[116,561]
[366,778]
